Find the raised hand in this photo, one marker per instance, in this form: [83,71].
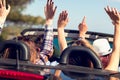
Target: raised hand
[62,22]
[3,11]
[50,10]
[115,55]
[63,19]
[82,28]
[113,14]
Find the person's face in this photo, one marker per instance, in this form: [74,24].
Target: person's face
[105,60]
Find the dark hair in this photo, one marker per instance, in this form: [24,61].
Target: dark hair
[10,52]
[79,56]
[36,39]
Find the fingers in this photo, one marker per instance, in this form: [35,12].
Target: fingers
[116,11]
[114,14]
[4,3]
[53,6]
[63,19]
[83,26]
[109,10]
[83,22]
[47,2]
[8,9]
[84,19]
[0,3]
[50,9]
[50,4]
[63,15]
[55,9]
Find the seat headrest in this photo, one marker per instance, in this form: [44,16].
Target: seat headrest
[79,56]
[22,48]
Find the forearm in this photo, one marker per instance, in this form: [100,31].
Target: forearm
[61,38]
[48,37]
[47,46]
[62,45]
[116,40]
[87,44]
[115,56]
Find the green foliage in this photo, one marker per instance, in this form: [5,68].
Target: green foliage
[10,32]
[18,5]
[28,19]
[20,20]
[15,15]
[19,2]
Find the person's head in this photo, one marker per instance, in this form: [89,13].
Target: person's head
[32,46]
[102,46]
[81,58]
[10,52]
[104,50]
[35,48]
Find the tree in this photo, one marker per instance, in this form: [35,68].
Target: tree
[10,32]
[17,6]
[18,20]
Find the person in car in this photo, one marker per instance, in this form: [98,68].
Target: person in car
[115,55]
[109,57]
[40,55]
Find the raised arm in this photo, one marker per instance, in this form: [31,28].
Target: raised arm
[47,45]
[82,28]
[62,22]
[115,17]
[3,13]
[82,33]
[49,11]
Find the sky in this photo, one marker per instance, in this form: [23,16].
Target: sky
[96,18]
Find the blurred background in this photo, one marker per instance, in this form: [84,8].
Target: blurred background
[30,14]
